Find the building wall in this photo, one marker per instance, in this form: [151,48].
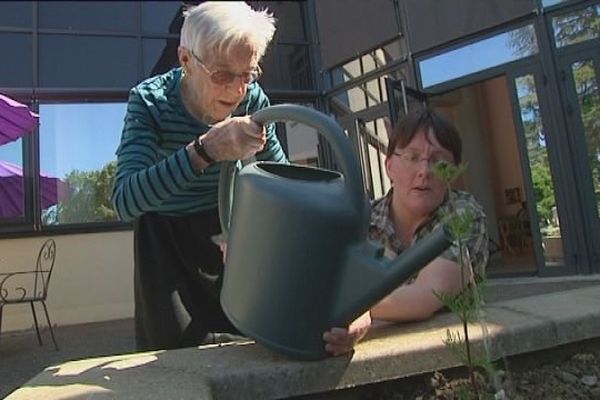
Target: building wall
[349,27]
[434,22]
[92,278]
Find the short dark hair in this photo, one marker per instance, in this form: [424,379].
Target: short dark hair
[424,119]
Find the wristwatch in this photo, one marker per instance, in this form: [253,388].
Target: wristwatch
[201,151]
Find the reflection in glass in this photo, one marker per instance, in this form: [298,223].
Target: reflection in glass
[159,55]
[161,16]
[77,146]
[549,3]
[543,184]
[16,14]
[474,57]
[577,26]
[287,67]
[586,86]
[88,15]
[93,61]
[302,143]
[292,12]
[16,69]
[371,61]
[12,182]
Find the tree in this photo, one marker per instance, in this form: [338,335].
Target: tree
[570,28]
[89,200]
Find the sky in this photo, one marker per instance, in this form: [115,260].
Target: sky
[74,136]
[467,59]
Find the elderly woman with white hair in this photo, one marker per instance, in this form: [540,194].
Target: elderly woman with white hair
[178,127]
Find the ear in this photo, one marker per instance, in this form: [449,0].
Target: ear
[184,57]
[388,167]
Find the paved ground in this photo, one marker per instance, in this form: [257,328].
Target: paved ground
[21,358]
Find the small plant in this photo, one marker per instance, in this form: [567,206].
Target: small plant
[467,304]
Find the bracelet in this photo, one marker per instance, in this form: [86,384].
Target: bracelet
[201,151]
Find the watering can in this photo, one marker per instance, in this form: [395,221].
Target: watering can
[298,259]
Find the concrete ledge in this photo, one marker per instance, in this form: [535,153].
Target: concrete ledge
[245,370]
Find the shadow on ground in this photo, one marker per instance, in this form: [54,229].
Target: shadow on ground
[22,358]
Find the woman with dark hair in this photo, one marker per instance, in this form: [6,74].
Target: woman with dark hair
[414,207]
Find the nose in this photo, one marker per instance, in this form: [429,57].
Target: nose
[237,86]
[424,166]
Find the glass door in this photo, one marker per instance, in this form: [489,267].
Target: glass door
[579,71]
[547,212]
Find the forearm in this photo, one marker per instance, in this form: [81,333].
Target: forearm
[407,303]
[418,301]
[140,188]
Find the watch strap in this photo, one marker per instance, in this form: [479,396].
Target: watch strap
[201,151]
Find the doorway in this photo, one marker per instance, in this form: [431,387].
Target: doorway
[484,116]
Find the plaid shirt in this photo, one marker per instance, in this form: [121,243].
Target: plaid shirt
[381,229]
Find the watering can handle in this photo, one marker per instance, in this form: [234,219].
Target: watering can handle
[325,125]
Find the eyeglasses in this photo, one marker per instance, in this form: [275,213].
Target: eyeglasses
[411,159]
[224,77]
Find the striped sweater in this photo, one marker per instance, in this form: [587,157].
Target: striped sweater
[154,172]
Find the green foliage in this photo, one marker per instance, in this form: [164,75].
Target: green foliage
[448,172]
[89,200]
[468,302]
[458,225]
[465,304]
[544,191]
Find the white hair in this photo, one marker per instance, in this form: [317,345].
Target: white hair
[214,27]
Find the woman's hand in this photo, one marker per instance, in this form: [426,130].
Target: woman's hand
[236,138]
[340,341]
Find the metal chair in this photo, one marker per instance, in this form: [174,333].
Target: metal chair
[30,286]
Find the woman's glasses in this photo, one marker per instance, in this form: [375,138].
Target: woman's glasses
[224,77]
[411,159]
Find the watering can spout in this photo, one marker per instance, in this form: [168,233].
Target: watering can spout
[368,277]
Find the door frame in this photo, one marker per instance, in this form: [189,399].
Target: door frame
[590,220]
[559,170]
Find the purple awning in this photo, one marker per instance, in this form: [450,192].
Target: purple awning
[12,198]
[16,119]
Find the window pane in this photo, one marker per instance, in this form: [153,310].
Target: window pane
[161,17]
[548,3]
[302,143]
[586,86]
[88,61]
[474,57]
[160,55]
[88,15]
[541,175]
[371,61]
[77,145]
[577,26]
[16,14]
[290,19]
[15,67]
[288,67]
[12,195]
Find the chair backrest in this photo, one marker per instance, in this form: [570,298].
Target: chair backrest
[43,268]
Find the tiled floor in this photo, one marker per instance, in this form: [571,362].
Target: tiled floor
[21,357]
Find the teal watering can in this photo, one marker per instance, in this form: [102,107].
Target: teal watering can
[298,259]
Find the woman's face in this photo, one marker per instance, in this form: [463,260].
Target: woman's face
[216,101]
[417,191]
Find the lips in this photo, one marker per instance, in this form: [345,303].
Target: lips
[227,103]
[422,189]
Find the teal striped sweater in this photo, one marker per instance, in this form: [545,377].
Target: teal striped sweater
[154,172]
